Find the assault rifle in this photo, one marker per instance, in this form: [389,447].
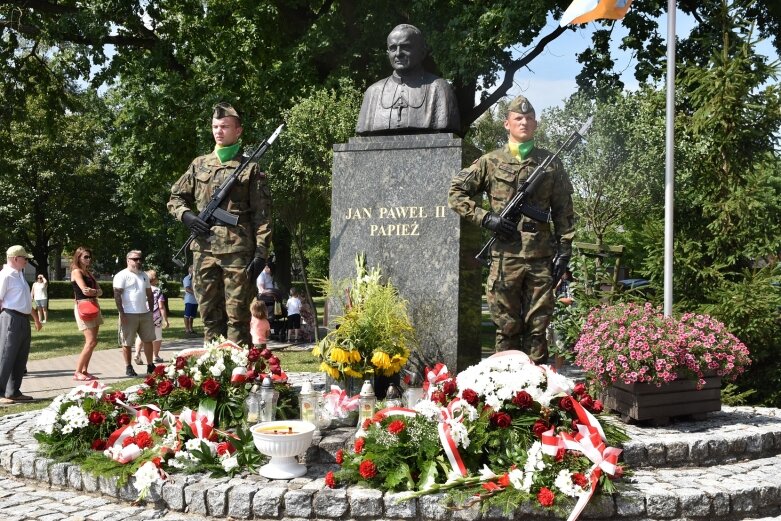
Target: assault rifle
[212,213]
[519,205]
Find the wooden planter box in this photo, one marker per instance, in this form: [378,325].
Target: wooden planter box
[679,398]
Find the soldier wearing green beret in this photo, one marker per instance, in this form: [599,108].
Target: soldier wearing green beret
[520,278]
[226,259]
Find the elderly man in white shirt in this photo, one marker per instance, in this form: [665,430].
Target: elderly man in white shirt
[16,306]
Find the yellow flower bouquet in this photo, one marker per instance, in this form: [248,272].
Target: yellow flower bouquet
[374,335]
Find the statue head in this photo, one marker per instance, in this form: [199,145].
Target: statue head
[406,49]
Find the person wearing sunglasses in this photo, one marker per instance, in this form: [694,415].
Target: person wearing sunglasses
[135,302]
[85,288]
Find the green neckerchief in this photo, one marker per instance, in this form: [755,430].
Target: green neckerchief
[521,150]
[225,154]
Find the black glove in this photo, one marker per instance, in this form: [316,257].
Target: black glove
[505,229]
[197,225]
[559,268]
[255,266]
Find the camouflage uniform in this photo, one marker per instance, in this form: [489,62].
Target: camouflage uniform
[519,282]
[219,280]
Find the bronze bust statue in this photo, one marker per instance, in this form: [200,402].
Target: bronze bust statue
[411,100]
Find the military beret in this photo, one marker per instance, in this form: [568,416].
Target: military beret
[224,110]
[520,105]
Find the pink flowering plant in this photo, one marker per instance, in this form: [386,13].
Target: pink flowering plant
[632,343]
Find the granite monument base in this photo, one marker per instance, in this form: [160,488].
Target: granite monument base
[389,201]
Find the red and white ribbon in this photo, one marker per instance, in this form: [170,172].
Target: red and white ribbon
[338,404]
[200,424]
[590,441]
[239,375]
[433,377]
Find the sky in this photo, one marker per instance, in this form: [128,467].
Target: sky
[550,78]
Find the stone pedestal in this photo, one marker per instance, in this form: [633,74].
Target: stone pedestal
[389,201]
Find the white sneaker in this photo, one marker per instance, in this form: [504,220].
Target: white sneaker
[43,321]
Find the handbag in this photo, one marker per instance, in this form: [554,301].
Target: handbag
[88,310]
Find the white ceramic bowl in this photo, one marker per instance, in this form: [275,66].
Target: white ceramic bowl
[282,448]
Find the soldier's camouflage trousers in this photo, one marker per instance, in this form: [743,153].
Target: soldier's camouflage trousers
[224,295]
[521,303]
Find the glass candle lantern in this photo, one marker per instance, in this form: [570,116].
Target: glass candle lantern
[393,396]
[366,402]
[268,397]
[252,406]
[307,401]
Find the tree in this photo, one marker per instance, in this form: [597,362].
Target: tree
[56,188]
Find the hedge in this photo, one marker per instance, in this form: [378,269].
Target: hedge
[64,289]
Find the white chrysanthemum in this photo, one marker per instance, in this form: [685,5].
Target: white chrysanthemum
[216,370]
[195,443]
[459,433]
[499,379]
[565,485]
[429,409]
[171,372]
[74,418]
[197,376]
[47,420]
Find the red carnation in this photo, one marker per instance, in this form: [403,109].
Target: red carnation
[160,430]
[566,403]
[184,381]
[359,443]
[128,441]
[378,417]
[580,479]
[159,370]
[539,427]
[225,447]
[396,427]
[449,387]
[330,480]
[367,469]
[470,397]
[339,456]
[501,420]
[123,419]
[180,363]
[597,407]
[97,417]
[211,387]
[165,387]
[253,355]
[99,444]
[504,480]
[523,400]
[366,424]
[579,389]
[144,439]
[545,497]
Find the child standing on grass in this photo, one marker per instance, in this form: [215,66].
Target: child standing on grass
[259,326]
[293,317]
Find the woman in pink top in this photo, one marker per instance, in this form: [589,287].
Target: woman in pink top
[259,327]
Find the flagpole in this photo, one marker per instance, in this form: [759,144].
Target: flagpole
[669,170]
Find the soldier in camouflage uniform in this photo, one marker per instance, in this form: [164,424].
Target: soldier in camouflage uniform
[520,279]
[226,259]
